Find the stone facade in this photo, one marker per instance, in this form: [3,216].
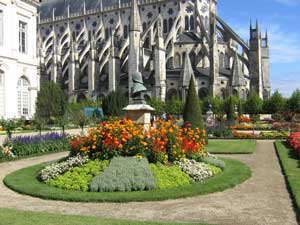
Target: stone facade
[19,79]
[93,47]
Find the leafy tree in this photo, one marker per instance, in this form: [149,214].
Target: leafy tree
[174,106]
[275,104]
[294,102]
[79,118]
[158,105]
[192,111]
[253,104]
[51,102]
[9,126]
[218,107]
[113,104]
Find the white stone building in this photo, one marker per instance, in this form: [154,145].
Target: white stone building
[19,80]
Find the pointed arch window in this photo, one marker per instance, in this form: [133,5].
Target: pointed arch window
[170,23]
[165,26]
[23,97]
[192,25]
[2,88]
[125,31]
[186,23]
[1,27]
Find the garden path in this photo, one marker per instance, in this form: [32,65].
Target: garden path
[263,199]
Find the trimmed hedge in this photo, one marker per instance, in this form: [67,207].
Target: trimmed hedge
[25,181]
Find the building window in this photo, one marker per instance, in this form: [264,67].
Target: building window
[192,23]
[22,37]
[125,31]
[170,23]
[1,27]
[2,86]
[165,26]
[23,97]
[186,23]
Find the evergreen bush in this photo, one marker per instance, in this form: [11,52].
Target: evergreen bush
[192,111]
[125,174]
[113,104]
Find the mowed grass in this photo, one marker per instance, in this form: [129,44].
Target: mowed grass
[290,164]
[25,181]
[231,146]
[15,217]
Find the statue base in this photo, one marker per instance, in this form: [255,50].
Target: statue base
[139,114]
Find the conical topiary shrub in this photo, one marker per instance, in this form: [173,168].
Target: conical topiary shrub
[192,111]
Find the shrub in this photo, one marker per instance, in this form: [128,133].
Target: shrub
[114,103]
[192,112]
[166,142]
[125,174]
[214,161]
[169,177]
[79,178]
[294,141]
[196,170]
[56,169]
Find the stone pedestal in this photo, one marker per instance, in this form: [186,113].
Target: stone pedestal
[139,114]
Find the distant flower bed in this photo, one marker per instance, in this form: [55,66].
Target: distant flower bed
[33,144]
[294,142]
[243,119]
[166,142]
[261,135]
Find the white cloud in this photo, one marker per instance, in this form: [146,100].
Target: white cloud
[288,2]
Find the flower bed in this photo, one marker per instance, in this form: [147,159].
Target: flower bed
[166,142]
[261,135]
[22,146]
[294,141]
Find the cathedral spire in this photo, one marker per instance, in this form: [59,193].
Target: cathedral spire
[135,22]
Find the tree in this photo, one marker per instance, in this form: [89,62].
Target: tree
[174,106]
[253,104]
[294,102]
[192,111]
[114,103]
[158,105]
[230,109]
[218,107]
[241,107]
[51,103]
[275,104]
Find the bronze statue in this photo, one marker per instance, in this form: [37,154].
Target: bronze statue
[138,88]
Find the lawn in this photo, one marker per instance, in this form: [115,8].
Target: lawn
[15,217]
[231,146]
[25,181]
[290,164]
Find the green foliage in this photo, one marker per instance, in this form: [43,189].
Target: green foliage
[218,107]
[75,106]
[169,177]
[51,102]
[253,104]
[9,126]
[192,111]
[241,104]
[124,174]
[216,170]
[79,118]
[79,178]
[230,109]
[174,106]
[158,105]
[294,102]
[113,104]
[275,104]
[214,161]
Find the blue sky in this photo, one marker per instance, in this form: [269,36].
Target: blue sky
[282,20]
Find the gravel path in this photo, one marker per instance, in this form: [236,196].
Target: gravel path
[263,199]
